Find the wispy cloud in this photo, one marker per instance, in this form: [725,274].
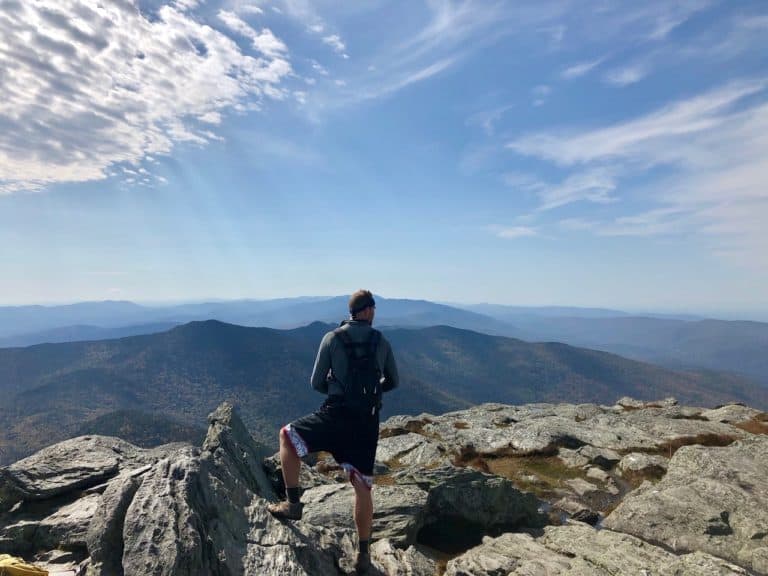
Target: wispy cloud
[580,69]
[660,221]
[264,41]
[513,232]
[113,86]
[626,75]
[713,149]
[338,46]
[643,139]
[595,185]
[487,119]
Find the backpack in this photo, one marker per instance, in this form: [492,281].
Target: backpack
[362,388]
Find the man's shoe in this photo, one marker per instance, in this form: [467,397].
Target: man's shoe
[286,510]
[363,563]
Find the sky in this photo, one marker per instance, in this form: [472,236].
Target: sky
[561,152]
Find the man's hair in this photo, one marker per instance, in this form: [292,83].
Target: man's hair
[360,300]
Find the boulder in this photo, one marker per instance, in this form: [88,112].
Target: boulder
[712,499]
[410,448]
[605,458]
[105,532]
[731,414]
[640,464]
[607,552]
[398,510]
[71,465]
[394,561]
[578,550]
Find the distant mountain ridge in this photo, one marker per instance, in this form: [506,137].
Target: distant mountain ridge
[51,391]
[674,341]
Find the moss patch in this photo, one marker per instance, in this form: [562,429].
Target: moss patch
[543,475]
[758,424]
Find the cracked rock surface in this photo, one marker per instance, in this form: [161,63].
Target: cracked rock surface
[491,490]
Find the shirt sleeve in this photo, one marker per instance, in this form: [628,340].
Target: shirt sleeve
[319,380]
[391,378]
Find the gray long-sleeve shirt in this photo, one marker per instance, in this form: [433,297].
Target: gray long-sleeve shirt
[332,358]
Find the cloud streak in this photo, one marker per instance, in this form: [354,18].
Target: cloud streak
[713,149]
[90,85]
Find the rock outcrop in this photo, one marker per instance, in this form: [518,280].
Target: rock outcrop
[492,490]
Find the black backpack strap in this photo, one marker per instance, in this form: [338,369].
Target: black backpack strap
[374,340]
[350,345]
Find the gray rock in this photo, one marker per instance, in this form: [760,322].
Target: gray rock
[514,554]
[578,550]
[410,448]
[483,500]
[603,457]
[396,562]
[67,527]
[572,458]
[309,476]
[105,533]
[639,463]
[607,552]
[713,500]
[632,403]
[230,447]
[398,510]
[582,487]
[65,467]
[731,414]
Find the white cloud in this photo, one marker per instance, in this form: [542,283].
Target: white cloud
[713,149]
[660,221]
[487,119]
[676,14]
[300,96]
[643,138]
[319,68]
[263,41]
[336,43]
[249,9]
[595,186]
[580,69]
[627,75]
[516,232]
[755,22]
[111,87]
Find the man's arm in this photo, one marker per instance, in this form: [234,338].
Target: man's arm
[391,378]
[319,378]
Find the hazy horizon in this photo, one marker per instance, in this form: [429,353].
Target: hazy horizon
[723,314]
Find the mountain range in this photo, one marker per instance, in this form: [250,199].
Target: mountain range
[53,391]
[674,341]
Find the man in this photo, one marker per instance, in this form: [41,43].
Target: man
[354,365]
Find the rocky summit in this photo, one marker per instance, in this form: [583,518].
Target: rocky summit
[636,488]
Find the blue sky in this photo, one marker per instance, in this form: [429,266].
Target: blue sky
[533,153]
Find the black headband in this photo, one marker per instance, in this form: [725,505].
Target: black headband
[367,303]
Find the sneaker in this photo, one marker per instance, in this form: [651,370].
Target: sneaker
[286,510]
[363,563]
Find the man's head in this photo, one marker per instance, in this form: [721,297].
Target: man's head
[362,306]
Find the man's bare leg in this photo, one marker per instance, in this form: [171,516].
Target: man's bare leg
[289,461]
[291,508]
[363,509]
[363,522]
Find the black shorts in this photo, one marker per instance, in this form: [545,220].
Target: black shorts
[351,438]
